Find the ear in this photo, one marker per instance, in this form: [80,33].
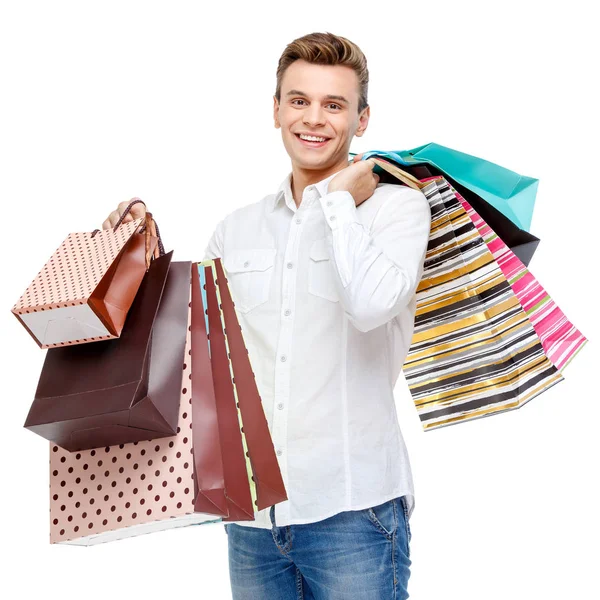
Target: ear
[276,112]
[363,121]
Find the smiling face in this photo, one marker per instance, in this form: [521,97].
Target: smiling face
[321,100]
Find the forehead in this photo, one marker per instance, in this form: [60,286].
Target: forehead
[319,80]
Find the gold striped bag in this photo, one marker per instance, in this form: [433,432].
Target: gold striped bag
[474,352]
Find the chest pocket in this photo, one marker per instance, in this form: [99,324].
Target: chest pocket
[321,273]
[250,274]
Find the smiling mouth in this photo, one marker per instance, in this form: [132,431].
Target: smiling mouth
[312,144]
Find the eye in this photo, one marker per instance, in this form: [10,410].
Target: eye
[331,104]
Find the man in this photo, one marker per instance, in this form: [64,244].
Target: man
[323,274]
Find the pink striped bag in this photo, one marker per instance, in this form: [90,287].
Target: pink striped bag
[560,339]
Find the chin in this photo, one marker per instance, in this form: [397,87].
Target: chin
[317,163]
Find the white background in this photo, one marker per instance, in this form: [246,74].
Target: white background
[171,102]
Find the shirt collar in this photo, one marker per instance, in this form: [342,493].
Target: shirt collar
[285,190]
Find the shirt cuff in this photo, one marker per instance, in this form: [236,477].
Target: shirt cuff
[339,208]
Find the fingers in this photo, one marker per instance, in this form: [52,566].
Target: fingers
[137,210]
[113,218]
[366,164]
[358,157]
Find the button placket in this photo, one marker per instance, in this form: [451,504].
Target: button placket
[284,347]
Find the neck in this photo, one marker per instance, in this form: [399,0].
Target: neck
[302,178]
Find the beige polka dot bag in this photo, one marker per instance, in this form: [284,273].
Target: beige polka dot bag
[84,291]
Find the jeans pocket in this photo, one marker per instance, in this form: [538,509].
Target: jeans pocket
[384,517]
[406,524]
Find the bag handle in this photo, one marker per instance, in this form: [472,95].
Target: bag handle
[126,211]
[150,227]
[150,230]
[405,177]
[153,225]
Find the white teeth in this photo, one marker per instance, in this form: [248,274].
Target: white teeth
[311,138]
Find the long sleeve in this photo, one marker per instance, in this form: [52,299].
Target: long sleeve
[214,249]
[377,274]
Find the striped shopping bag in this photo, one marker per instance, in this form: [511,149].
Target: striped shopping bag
[474,351]
[488,338]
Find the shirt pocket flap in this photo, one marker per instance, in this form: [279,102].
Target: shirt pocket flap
[252,259]
[319,250]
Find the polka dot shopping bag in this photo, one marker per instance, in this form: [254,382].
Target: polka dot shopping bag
[83,293]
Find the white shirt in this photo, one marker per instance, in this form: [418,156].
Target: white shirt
[325,296]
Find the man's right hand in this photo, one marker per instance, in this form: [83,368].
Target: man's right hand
[137,210]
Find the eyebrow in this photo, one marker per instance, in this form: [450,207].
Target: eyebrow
[328,97]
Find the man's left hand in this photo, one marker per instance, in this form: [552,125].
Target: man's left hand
[357,178]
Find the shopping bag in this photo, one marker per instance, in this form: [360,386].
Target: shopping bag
[209,476]
[241,433]
[148,486]
[84,291]
[239,481]
[522,243]
[509,192]
[120,390]
[270,488]
[560,339]
[474,352]
[106,494]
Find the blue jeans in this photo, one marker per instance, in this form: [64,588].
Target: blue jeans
[353,555]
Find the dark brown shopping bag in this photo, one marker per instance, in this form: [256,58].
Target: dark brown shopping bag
[122,390]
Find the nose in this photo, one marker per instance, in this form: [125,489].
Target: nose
[313,115]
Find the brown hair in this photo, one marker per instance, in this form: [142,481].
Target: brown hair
[326,49]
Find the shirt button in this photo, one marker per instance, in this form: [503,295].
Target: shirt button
[280,405]
[288,312]
[298,221]
[329,202]
[289,265]
[279,452]
[283,358]
[332,218]
[246,264]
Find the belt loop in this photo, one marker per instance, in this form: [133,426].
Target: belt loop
[272,515]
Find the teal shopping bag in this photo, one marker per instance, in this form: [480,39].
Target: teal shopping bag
[509,192]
